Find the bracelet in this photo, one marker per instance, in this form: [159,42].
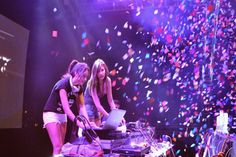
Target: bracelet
[75,119]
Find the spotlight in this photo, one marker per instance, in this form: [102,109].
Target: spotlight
[54,34]
[54,10]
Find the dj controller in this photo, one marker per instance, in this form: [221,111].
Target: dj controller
[136,141]
[132,150]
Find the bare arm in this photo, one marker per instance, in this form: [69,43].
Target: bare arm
[66,108]
[81,105]
[109,94]
[98,103]
[110,97]
[82,109]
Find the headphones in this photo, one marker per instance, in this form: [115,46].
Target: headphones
[74,89]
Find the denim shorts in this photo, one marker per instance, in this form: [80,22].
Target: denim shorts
[52,117]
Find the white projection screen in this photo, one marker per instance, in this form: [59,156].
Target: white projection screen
[13,50]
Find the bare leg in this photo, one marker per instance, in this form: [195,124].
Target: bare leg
[63,131]
[56,136]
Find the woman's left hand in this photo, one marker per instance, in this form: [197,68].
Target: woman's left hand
[93,125]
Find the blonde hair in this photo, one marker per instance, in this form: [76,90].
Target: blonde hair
[93,82]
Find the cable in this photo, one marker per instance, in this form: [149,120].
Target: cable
[218,148]
[228,151]
[149,138]
[221,153]
[90,133]
[171,145]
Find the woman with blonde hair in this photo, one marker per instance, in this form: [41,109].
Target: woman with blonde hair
[98,93]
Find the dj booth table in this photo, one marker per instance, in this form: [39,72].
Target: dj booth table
[116,142]
[115,147]
[137,142]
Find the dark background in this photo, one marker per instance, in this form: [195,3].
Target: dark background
[189,112]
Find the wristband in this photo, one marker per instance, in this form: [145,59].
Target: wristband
[75,120]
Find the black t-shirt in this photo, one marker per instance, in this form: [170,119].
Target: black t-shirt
[53,103]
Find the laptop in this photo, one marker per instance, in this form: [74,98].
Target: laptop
[113,120]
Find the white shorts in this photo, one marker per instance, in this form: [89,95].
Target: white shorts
[52,117]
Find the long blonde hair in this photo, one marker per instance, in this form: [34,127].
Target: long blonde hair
[93,82]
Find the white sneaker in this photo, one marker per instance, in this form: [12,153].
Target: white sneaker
[58,155]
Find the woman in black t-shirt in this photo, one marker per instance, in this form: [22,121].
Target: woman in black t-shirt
[65,93]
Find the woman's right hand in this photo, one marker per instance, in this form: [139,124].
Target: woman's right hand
[79,124]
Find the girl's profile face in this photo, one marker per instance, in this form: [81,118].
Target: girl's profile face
[101,73]
[80,79]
